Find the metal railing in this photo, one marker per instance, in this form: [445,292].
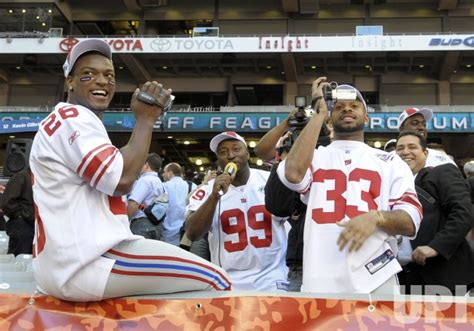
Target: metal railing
[379,108]
[40,34]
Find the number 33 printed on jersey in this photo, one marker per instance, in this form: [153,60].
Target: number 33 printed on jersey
[335,195]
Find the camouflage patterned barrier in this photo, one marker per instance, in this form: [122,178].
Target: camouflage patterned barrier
[233,313]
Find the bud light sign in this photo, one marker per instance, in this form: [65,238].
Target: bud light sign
[468,42]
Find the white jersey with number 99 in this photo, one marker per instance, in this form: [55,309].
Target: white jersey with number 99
[246,240]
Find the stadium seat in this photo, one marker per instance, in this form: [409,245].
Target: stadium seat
[17,288]
[14,277]
[7,258]
[3,245]
[12,267]
[23,258]
[26,260]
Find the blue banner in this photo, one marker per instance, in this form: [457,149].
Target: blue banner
[240,122]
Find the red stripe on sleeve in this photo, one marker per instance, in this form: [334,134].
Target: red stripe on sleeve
[410,199]
[404,194]
[86,157]
[104,169]
[96,162]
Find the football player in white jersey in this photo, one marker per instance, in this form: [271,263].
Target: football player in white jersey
[415,119]
[244,238]
[358,198]
[83,248]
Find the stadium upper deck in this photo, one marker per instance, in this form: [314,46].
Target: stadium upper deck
[437,71]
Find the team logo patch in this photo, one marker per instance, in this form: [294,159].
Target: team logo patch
[74,136]
[380,261]
[347,162]
[384,156]
[243,200]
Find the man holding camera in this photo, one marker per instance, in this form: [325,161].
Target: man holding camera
[83,247]
[358,199]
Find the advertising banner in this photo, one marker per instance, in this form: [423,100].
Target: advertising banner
[240,122]
[260,44]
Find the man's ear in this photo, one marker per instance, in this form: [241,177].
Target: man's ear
[69,83]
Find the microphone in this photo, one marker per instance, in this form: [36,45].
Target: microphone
[231,168]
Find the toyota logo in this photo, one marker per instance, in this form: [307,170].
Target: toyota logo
[160,45]
[67,44]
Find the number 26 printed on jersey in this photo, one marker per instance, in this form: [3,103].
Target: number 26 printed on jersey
[335,195]
[52,122]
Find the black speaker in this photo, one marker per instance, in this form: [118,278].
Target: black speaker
[17,156]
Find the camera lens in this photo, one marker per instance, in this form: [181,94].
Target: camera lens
[333,85]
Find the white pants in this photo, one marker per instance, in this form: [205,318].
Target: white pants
[153,267]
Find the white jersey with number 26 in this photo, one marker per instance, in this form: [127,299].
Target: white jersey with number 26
[346,179]
[245,239]
[75,172]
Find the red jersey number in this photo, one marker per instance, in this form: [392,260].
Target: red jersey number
[52,123]
[233,222]
[199,195]
[341,208]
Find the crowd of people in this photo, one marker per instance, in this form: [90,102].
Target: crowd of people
[333,215]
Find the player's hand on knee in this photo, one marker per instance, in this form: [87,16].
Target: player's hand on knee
[356,231]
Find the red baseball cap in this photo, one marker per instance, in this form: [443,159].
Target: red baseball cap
[426,112]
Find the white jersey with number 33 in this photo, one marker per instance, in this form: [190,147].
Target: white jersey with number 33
[346,179]
[246,240]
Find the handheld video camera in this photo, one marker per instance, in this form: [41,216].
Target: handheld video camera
[329,91]
[302,115]
[332,93]
[297,122]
